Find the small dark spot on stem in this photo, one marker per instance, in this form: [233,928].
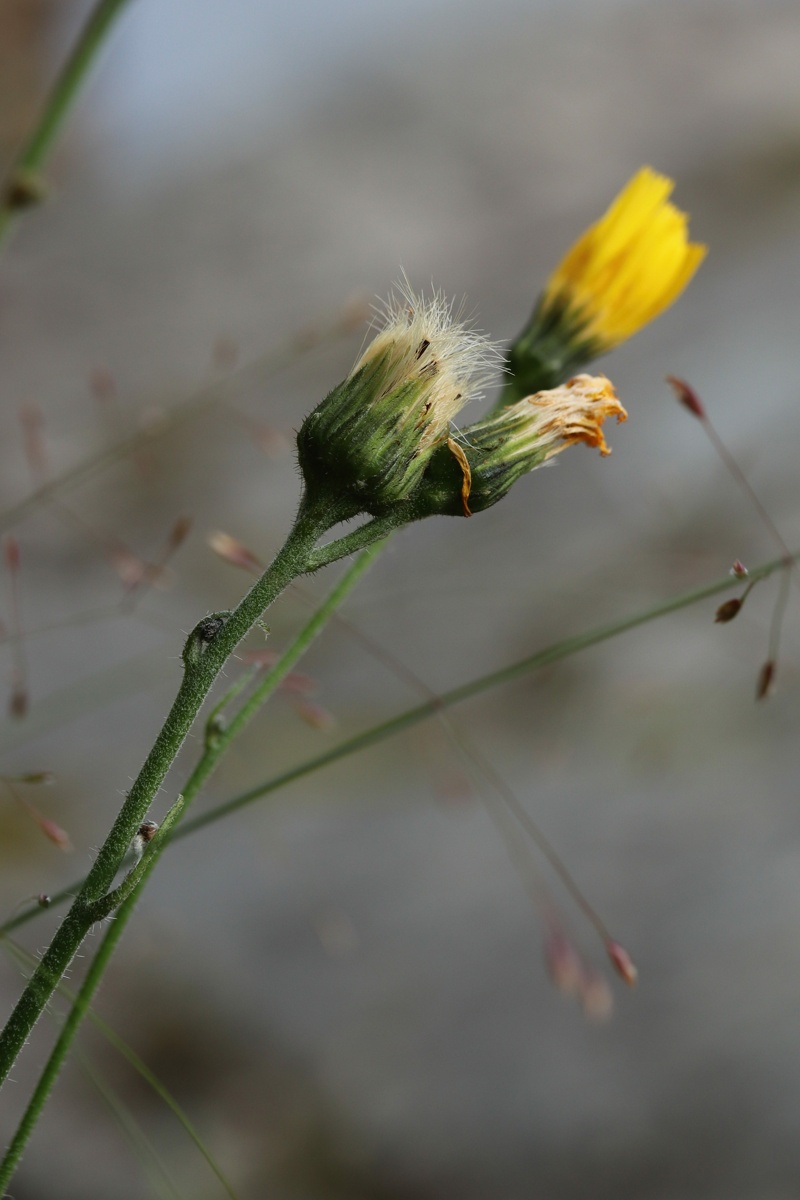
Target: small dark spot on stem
[207,630]
[23,190]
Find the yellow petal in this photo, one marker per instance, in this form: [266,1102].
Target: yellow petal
[630,265]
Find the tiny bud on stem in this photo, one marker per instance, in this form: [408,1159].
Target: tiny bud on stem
[687,396]
[622,962]
[727,611]
[766,680]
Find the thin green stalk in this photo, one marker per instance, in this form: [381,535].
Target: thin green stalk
[217,392]
[413,716]
[23,187]
[465,691]
[152,1164]
[352,543]
[207,648]
[139,1066]
[124,898]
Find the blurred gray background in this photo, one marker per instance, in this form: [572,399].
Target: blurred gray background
[344,984]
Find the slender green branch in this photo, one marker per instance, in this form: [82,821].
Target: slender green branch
[104,907]
[465,691]
[413,716]
[23,186]
[22,956]
[215,747]
[206,650]
[366,535]
[123,898]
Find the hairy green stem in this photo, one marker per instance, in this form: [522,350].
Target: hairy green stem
[351,543]
[25,959]
[124,897]
[22,187]
[216,746]
[205,652]
[465,691]
[80,1007]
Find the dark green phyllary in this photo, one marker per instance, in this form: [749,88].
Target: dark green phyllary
[369,442]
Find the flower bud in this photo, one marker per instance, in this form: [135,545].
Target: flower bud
[622,273]
[367,445]
[492,455]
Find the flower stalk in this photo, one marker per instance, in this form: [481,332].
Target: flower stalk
[473,472]
[207,649]
[381,444]
[122,899]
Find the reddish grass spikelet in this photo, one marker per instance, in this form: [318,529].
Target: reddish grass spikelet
[271,441]
[299,686]
[50,828]
[739,570]
[53,832]
[179,533]
[131,569]
[11,553]
[564,964]
[300,683]
[597,1000]
[622,962]
[234,552]
[687,396]
[314,715]
[727,611]
[765,685]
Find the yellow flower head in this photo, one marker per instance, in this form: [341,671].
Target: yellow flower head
[474,472]
[627,267]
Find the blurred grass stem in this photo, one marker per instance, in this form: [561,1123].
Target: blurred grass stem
[22,187]
[124,898]
[207,649]
[422,712]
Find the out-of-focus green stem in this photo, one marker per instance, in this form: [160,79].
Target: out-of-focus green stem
[207,649]
[124,898]
[21,188]
[413,716]
[28,961]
